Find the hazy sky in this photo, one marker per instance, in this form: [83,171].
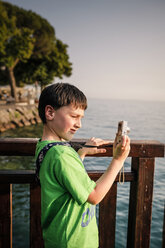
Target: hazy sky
[117,47]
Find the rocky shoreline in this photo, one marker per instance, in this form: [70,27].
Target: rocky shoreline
[13,116]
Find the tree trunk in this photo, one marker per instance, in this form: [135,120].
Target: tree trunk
[12,83]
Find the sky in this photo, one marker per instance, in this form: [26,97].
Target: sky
[117,47]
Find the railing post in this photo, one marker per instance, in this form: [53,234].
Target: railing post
[107,219]
[35,216]
[140,206]
[6,215]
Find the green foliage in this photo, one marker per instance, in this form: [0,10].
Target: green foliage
[29,46]
[15,44]
[19,47]
[7,26]
[42,31]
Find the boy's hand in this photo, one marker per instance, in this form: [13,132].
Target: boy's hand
[121,150]
[95,142]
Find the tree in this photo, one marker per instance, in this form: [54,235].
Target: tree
[15,45]
[44,70]
[29,49]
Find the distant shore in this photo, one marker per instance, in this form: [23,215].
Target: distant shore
[17,115]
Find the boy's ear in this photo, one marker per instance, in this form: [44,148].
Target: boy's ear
[49,112]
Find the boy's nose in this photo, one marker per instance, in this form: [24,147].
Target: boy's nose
[78,123]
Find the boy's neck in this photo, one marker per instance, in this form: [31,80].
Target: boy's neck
[48,134]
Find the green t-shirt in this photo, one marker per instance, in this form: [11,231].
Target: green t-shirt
[67,219]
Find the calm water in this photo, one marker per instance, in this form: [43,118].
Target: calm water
[146,120]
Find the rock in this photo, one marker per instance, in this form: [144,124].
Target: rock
[18,116]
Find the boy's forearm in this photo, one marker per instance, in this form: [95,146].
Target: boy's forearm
[104,183]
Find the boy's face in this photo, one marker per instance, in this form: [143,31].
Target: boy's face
[66,121]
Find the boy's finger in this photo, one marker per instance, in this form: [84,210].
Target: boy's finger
[128,143]
[103,142]
[124,140]
[97,142]
[101,150]
[115,139]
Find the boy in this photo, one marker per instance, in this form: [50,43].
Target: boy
[68,195]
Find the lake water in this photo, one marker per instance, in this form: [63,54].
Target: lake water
[147,122]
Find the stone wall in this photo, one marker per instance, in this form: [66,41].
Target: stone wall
[18,116]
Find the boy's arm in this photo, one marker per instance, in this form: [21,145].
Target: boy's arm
[104,183]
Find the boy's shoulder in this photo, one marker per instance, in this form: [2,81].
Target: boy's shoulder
[54,146]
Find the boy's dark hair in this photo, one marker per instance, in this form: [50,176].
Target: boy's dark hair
[59,95]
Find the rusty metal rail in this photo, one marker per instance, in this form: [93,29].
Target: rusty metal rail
[141,177]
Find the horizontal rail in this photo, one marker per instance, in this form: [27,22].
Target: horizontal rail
[26,147]
[28,176]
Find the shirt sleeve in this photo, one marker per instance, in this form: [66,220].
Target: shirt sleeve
[73,177]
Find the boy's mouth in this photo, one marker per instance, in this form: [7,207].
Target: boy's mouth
[73,131]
